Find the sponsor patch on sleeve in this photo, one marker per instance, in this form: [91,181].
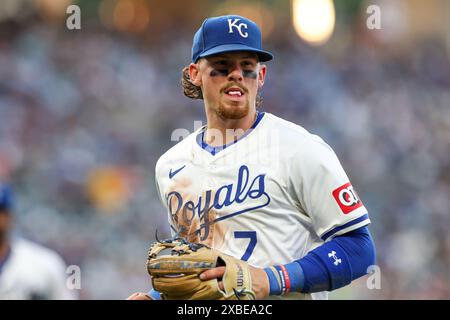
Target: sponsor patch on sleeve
[347,198]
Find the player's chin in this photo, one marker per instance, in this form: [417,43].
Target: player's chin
[233,110]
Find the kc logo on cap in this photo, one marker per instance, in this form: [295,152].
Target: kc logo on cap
[227,34]
[232,23]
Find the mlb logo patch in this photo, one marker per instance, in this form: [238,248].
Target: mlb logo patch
[347,198]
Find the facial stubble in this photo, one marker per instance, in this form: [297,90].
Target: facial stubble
[233,112]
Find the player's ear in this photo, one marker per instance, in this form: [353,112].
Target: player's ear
[194,74]
[261,75]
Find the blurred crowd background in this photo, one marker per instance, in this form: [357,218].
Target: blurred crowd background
[85,114]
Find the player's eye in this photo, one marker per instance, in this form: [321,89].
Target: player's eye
[221,66]
[221,63]
[248,65]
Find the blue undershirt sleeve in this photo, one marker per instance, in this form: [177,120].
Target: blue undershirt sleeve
[333,265]
[155,295]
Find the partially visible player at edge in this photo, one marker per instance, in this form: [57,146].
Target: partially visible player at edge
[291,213]
[28,271]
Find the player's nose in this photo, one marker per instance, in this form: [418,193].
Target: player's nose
[235,73]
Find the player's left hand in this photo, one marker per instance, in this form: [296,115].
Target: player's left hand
[260,281]
[139,296]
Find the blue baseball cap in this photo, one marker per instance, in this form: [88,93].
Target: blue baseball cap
[227,34]
[5,197]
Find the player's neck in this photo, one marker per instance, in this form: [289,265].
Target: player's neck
[221,131]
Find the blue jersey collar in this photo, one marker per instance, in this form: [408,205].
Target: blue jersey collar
[215,150]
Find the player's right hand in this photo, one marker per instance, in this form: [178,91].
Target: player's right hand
[139,296]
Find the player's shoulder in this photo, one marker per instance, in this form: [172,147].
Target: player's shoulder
[294,137]
[180,152]
[37,254]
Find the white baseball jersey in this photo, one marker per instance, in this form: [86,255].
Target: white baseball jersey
[33,272]
[268,198]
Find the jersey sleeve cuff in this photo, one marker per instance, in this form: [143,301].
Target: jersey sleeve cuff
[349,226]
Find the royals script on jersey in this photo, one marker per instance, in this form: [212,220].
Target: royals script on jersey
[268,198]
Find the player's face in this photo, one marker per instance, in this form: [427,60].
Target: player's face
[230,82]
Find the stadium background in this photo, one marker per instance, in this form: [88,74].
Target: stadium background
[85,114]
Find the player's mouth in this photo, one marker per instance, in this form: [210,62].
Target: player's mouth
[234,93]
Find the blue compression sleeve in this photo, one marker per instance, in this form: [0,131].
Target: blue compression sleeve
[338,262]
[333,265]
[155,295]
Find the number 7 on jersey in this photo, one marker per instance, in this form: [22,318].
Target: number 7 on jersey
[251,245]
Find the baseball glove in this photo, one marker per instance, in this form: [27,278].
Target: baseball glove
[175,267]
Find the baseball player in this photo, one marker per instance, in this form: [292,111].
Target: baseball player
[258,187]
[28,271]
